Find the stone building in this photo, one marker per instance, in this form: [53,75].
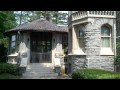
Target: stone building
[91,39]
[38,43]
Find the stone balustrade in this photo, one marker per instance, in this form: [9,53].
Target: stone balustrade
[83,14]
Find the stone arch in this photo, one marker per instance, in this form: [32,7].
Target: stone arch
[107,25]
[98,22]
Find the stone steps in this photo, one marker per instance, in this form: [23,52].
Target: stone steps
[37,77]
[39,71]
[41,74]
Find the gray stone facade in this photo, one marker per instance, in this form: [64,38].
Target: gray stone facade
[77,62]
[94,56]
[118,23]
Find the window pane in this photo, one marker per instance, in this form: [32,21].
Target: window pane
[14,38]
[81,42]
[13,45]
[81,31]
[105,31]
[105,42]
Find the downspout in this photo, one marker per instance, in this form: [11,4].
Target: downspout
[115,45]
[18,47]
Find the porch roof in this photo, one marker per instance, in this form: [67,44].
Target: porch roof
[39,25]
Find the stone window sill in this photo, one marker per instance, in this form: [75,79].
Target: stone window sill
[106,51]
[77,52]
[13,55]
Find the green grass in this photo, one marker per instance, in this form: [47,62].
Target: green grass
[94,74]
[8,76]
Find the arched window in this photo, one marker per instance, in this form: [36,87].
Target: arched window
[105,36]
[81,36]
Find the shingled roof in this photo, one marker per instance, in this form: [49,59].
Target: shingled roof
[40,25]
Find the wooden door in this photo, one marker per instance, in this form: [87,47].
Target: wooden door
[41,45]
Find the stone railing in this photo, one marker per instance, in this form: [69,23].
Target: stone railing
[83,14]
[109,14]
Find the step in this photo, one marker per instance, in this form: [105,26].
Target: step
[42,75]
[31,67]
[39,70]
[41,64]
[43,68]
[38,77]
[30,72]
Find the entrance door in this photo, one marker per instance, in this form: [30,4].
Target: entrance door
[41,45]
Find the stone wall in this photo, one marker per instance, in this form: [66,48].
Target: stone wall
[77,62]
[107,62]
[93,45]
[24,49]
[118,23]
[93,57]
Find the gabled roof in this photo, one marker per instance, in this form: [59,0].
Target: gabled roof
[40,25]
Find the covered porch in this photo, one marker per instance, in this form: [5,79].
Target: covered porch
[39,41]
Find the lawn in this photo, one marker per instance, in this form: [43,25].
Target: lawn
[94,74]
[8,76]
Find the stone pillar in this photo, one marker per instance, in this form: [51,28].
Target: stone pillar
[93,42]
[74,40]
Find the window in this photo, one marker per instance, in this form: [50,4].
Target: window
[105,36]
[81,36]
[13,44]
[65,43]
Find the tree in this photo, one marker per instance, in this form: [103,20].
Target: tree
[57,17]
[7,21]
[22,16]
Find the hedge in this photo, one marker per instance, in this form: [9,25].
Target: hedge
[13,69]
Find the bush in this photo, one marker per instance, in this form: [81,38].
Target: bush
[9,68]
[94,74]
[3,48]
[8,76]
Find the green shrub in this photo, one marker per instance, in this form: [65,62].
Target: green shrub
[94,74]
[9,68]
[3,53]
[9,76]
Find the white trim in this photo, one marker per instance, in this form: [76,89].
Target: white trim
[110,37]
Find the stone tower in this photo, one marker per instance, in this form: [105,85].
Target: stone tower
[91,39]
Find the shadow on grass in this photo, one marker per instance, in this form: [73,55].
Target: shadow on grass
[8,76]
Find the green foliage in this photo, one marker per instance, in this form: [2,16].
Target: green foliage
[13,69]
[27,16]
[3,53]
[7,20]
[3,49]
[4,41]
[118,50]
[8,76]
[94,74]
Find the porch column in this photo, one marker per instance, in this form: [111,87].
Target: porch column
[74,40]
